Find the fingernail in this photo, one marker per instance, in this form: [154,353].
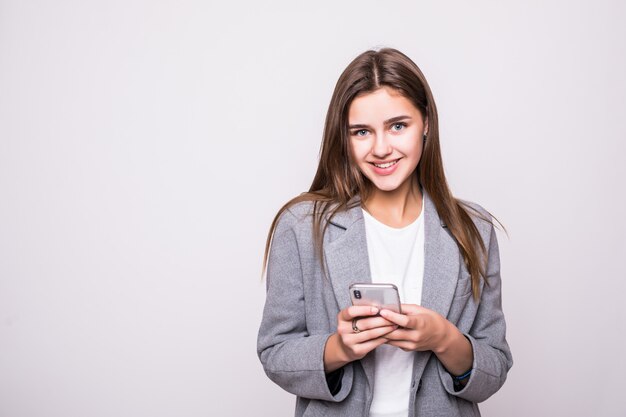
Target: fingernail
[374,310]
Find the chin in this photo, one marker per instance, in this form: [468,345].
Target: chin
[385,186]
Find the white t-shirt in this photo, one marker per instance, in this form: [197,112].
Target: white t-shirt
[396,256]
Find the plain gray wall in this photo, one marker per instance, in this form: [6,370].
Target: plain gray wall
[146,145]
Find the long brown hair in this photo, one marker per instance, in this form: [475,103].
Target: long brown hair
[338,179]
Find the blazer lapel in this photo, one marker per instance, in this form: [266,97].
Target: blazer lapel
[345,251]
[441,271]
[441,262]
[347,262]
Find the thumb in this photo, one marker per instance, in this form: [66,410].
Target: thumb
[411,308]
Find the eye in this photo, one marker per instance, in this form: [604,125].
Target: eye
[398,126]
[360,132]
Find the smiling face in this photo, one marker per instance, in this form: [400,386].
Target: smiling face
[386,132]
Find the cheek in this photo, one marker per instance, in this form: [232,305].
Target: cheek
[413,148]
[359,150]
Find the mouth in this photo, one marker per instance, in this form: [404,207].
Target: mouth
[385,165]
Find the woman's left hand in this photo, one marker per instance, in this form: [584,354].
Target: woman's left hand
[420,329]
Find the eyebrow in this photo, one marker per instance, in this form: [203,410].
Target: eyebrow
[386,122]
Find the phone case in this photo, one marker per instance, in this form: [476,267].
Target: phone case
[379,295]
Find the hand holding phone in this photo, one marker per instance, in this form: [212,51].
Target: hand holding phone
[360,327]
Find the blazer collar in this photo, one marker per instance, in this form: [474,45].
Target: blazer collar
[348,262]
[346,218]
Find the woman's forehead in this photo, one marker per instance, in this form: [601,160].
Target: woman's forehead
[379,105]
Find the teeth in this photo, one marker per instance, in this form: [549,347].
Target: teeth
[387,165]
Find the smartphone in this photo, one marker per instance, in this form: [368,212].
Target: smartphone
[379,295]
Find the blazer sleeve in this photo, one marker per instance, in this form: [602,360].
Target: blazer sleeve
[492,356]
[291,357]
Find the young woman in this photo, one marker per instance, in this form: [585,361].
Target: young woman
[379,210]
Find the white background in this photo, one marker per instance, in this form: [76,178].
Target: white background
[145,147]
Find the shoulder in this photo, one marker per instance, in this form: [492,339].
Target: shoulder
[475,209]
[479,215]
[299,215]
[294,216]
[301,210]
[484,222]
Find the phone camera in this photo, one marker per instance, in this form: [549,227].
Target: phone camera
[357,294]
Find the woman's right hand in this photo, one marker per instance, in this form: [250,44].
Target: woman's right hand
[346,345]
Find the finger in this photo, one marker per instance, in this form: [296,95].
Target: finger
[410,308]
[402,334]
[392,316]
[351,312]
[363,325]
[344,327]
[414,309]
[372,323]
[370,345]
[404,345]
[364,336]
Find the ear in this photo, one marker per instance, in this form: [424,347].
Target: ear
[426,125]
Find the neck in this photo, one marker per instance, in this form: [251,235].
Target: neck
[396,208]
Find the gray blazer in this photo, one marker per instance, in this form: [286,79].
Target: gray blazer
[301,313]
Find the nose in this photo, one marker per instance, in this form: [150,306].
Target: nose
[381,147]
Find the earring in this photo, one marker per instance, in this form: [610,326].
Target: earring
[424,137]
